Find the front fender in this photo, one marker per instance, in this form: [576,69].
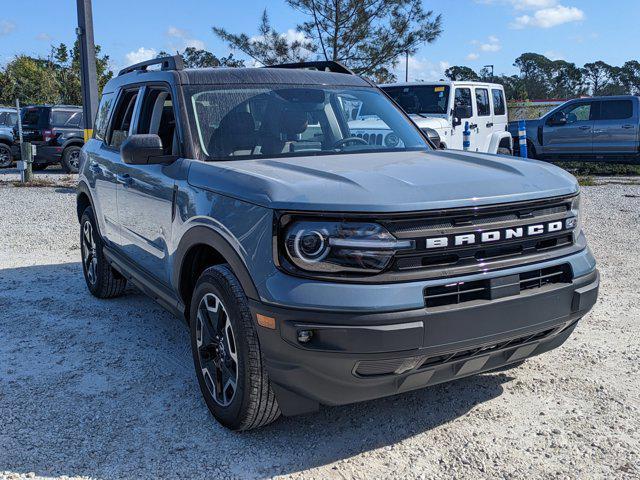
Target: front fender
[207,235]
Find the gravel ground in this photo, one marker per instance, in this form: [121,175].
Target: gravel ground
[106,389]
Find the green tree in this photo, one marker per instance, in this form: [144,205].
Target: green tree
[534,73]
[598,76]
[198,58]
[368,36]
[28,79]
[270,47]
[460,73]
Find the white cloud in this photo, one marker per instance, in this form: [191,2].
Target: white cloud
[473,56]
[553,55]
[421,69]
[549,17]
[6,27]
[181,39]
[141,55]
[44,37]
[493,45]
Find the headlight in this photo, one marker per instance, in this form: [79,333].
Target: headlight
[433,135]
[575,210]
[339,247]
[391,140]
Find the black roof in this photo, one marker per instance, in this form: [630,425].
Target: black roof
[238,76]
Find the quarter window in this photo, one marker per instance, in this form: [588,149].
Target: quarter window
[499,106]
[616,110]
[482,99]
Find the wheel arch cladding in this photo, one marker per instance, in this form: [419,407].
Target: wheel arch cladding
[200,248]
[83,199]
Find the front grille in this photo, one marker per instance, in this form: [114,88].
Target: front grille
[467,257]
[491,289]
[375,368]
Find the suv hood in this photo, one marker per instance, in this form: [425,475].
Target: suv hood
[383,182]
[436,123]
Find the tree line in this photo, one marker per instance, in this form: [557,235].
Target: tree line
[541,78]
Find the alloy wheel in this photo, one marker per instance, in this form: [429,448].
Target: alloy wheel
[217,349]
[89,257]
[74,159]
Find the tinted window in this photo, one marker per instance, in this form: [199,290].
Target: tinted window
[12,119]
[463,99]
[33,117]
[422,99]
[62,118]
[3,118]
[122,119]
[616,109]
[482,99]
[157,117]
[102,116]
[499,106]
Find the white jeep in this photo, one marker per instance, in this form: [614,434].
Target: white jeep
[432,106]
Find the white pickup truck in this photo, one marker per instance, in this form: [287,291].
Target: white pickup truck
[446,107]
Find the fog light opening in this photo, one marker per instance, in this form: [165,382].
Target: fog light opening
[305,336]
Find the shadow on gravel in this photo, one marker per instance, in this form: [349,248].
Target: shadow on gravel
[105,388]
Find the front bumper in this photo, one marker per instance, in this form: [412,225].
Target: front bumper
[353,357]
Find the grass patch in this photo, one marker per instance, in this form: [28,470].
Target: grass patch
[65,182]
[586,181]
[589,169]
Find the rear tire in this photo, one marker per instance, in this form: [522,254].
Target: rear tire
[102,280]
[71,159]
[226,353]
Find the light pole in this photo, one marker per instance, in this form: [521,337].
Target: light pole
[491,67]
[88,73]
[406,67]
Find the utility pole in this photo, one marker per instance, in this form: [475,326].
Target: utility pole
[406,70]
[88,73]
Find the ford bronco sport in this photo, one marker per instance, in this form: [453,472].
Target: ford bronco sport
[313,267]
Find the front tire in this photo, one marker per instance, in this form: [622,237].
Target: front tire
[505,151]
[226,353]
[71,159]
[6,158]
[102,280]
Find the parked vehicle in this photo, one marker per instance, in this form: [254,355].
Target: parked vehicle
[312,266]
[8,118]
[447,106]
[57,133]
[597,128]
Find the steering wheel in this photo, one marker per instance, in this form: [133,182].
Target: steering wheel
[345,141]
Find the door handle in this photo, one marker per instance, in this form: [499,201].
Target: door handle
[585,127]
[125,179]
[489,125]
[627,127]
[473,125]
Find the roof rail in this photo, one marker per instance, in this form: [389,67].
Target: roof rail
[166,63]
[323,66]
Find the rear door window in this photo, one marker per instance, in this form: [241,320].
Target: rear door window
[34,117]
[102,116]
[482,100]
[499,106]
[62,118]
[616,109]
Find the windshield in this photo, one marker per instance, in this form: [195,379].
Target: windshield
[421,99]
[275,121]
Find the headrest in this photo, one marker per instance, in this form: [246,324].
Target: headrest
[293,122]
[237,123]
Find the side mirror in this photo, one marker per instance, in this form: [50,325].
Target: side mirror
[143,149]
[460,112]
[558,119]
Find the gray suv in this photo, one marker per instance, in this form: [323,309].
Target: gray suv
[312,266]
